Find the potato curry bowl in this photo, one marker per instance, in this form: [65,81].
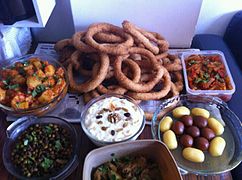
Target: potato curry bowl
[32,85]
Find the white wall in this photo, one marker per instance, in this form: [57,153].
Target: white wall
[213,18]
[59,26]
[215,15]
[175,20]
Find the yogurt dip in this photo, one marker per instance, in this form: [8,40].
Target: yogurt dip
[113,119]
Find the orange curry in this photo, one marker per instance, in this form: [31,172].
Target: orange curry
[30,84]
[207,73]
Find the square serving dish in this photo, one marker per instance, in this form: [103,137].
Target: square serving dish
[225,95]
[152,149]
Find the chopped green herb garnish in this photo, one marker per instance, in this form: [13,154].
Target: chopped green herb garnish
[17,104]
[113,177]
[14,86]
[39,89]
[206,62]
[58,145]
[30,138]
[192,62]
[56,77]
[5,82]
[206,75]
[103,169]
[218,77]
[34,93]
[33,133]
[48,129]
[32,158]
[46,78]
[127,159]
[43,65]
[47,163]
[138,171]
[197,80]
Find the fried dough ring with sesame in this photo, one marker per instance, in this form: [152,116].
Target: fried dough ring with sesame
[79,43]
[94,81]
[61,44]
[65,49]
[136,74]
[108,38]
[129,84]
[133,30]
[155,95]
[114,49]
[177,80]
[172,63]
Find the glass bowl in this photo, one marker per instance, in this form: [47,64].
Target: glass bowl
[43,108]
[112,125]
[232,154]
[19,126]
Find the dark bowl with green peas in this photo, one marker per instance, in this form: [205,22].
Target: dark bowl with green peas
[41,148]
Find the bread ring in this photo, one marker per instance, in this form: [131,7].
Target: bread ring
[155,95]
[78,43]
[115,49]
[129,84]
[93,82]
[132,29]
[172,63]
[108,38]
[118,89]
[177,79]
[61,44]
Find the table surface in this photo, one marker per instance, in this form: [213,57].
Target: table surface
[87,146]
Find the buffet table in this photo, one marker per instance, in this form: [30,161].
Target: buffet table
[87,146]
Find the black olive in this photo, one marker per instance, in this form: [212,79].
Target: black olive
[112,132]
[127,114]
[99,116]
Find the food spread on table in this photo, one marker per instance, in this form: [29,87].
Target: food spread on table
[128,167]
[113,119]
[42,150]
[125,61]
[195,130]
[30,84]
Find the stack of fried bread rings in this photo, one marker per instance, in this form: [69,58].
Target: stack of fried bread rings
[126,60]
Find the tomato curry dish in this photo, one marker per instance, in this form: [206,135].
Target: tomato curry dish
[30,84]
[207,73]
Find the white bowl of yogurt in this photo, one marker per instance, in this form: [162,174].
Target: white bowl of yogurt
[110,119]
